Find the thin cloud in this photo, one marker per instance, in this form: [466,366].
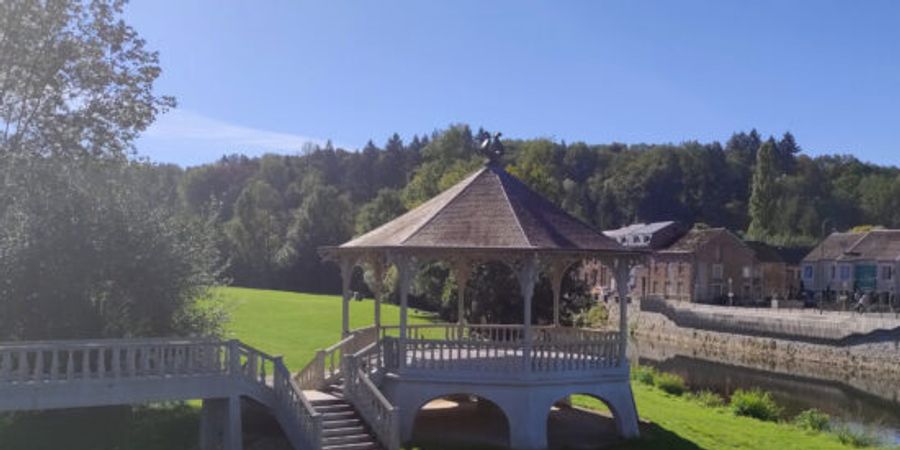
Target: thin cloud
[187,127]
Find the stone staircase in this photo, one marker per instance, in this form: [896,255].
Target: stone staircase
[342,426]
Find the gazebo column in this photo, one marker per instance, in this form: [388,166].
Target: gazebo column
[527,274]
[461,271]
[557,273]
[404,267]
[378,288]
[622,271]
[346,275]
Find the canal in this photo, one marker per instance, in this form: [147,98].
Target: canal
[794,393]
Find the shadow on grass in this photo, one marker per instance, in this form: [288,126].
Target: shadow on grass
[158,427]
[655,437]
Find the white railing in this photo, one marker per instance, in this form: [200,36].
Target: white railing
[362,392]
[102,359]
[32,364]
[326,365]
[501,348]
[292,407]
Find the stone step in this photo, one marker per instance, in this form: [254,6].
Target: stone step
[333,407]
[329,401]
[342,431]
[358,446]
[347,414]
[340,423]
[359,438]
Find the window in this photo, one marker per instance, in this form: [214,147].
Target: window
[887,272]
[717,271]
[646,239]
[833,272]
[808,272]
[845,273]
[745,272]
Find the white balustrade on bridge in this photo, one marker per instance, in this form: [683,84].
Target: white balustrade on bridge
[69,374]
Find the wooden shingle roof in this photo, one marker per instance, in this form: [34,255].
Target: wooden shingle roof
[490,209]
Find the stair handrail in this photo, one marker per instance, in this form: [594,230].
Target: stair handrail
[292,407]
[325,367]
[359,389]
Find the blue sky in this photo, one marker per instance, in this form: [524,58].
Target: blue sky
[264,76]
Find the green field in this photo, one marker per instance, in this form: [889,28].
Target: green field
[295,325]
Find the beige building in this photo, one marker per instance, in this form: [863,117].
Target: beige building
[701,265]
[854,262]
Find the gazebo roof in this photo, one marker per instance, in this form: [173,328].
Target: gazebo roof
[489,210]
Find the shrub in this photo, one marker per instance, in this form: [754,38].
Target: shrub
[708,398]
[813,420]
[670,383]
[755,403]
[644,375]
[595,317]
[857,437]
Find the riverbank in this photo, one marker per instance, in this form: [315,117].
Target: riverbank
[872,368]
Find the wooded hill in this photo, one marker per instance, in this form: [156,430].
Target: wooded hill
[273,212]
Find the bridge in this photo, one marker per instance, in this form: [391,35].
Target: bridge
[73,374]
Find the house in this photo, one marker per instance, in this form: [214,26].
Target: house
[700,265]
[849,262]
[644,236]
[780,267]
[706,265]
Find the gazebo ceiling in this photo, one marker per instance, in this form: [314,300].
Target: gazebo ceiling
[489,210]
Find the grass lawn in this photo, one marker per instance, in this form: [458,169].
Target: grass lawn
[677,423]
[295,325]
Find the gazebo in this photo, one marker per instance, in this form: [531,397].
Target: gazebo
[523,368]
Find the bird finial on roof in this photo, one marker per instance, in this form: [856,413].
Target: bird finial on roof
[493,148]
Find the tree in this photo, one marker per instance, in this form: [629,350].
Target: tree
[763,194]
[256,235]
[75,79]
[786,152]
[387,205]
[89,251]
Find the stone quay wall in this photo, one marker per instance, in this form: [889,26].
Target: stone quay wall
[870,366]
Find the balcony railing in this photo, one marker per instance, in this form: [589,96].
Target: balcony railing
[499,349]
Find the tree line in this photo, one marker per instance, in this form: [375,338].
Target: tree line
[276,210]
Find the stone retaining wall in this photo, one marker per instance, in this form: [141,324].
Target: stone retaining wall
[872,367]
[804,325]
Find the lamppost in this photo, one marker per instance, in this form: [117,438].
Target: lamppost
[730,292]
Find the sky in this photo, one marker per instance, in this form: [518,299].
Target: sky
[278,75]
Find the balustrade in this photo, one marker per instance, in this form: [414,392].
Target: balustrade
[74,360]
[500,348]
[326,365]
[363,393]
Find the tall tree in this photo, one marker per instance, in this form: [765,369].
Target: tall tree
[75,79]
[763,192]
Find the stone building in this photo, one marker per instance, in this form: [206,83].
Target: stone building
[845,262]
[780,267]
[705,265]
[643,236]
